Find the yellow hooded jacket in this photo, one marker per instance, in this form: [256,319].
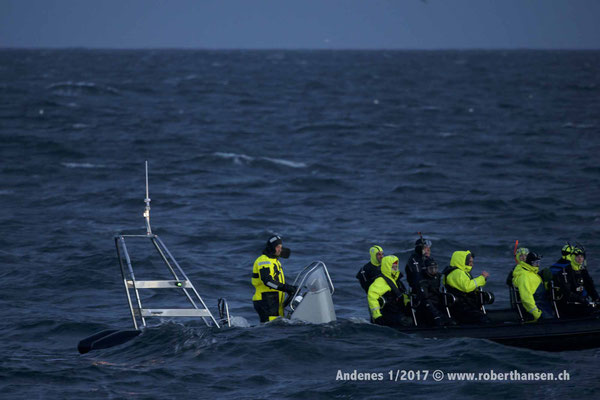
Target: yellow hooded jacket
[380,287]
[275,272]
[461,278]
[373,252]
[527,280]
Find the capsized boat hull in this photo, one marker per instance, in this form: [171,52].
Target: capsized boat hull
[548,335]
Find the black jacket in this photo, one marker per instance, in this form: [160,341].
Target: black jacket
[367,274]
[571,282]
[414,269]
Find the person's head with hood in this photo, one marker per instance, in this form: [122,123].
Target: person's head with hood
[389,267]
[423,247]
[376,253]
[462,260]
[275,249]
[521,254]
[577,258]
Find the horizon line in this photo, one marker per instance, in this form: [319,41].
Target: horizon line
[189,48]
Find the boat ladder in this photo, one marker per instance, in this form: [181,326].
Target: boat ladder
[179,282]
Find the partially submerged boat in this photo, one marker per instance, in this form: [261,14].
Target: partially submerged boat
[312,301]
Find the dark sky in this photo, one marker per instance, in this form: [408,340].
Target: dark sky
[315,24]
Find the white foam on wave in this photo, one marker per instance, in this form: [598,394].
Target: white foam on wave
[239,159]
[359,320]
[578,126]
[239,322]
[81,165]
[81,84]
[287,163]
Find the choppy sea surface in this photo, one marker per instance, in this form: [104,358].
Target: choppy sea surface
[333,150]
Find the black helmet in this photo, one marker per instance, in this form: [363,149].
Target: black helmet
[431,267]
[271,247]
[273,242]
[533,259]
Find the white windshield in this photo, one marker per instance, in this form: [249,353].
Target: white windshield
[314,278]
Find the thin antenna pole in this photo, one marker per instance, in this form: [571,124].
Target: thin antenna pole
[147,209]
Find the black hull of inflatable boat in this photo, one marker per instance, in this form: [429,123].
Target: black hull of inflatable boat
[105,339]
[550,335]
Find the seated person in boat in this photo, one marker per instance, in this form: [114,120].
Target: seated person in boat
[576,294]
[387,296]
[431,309]
[467,290]
[416,262]
[371,270]
[531,287]
[520,255]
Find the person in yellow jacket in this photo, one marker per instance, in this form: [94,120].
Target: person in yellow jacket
[387,296]
[459,281]
[269,281]
[526,278]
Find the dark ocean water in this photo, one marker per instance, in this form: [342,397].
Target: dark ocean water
[333,150]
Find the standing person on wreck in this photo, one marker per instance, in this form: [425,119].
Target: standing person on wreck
[459,281]
[372,269]
[269,282]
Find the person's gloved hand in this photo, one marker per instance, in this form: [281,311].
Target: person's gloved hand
[289,289]
[378,321]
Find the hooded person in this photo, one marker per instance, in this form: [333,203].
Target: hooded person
[459,282]
[521,254]
[531,288]
[269,281]
[576,290]
[387,299]
[371,270]
[415,265]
